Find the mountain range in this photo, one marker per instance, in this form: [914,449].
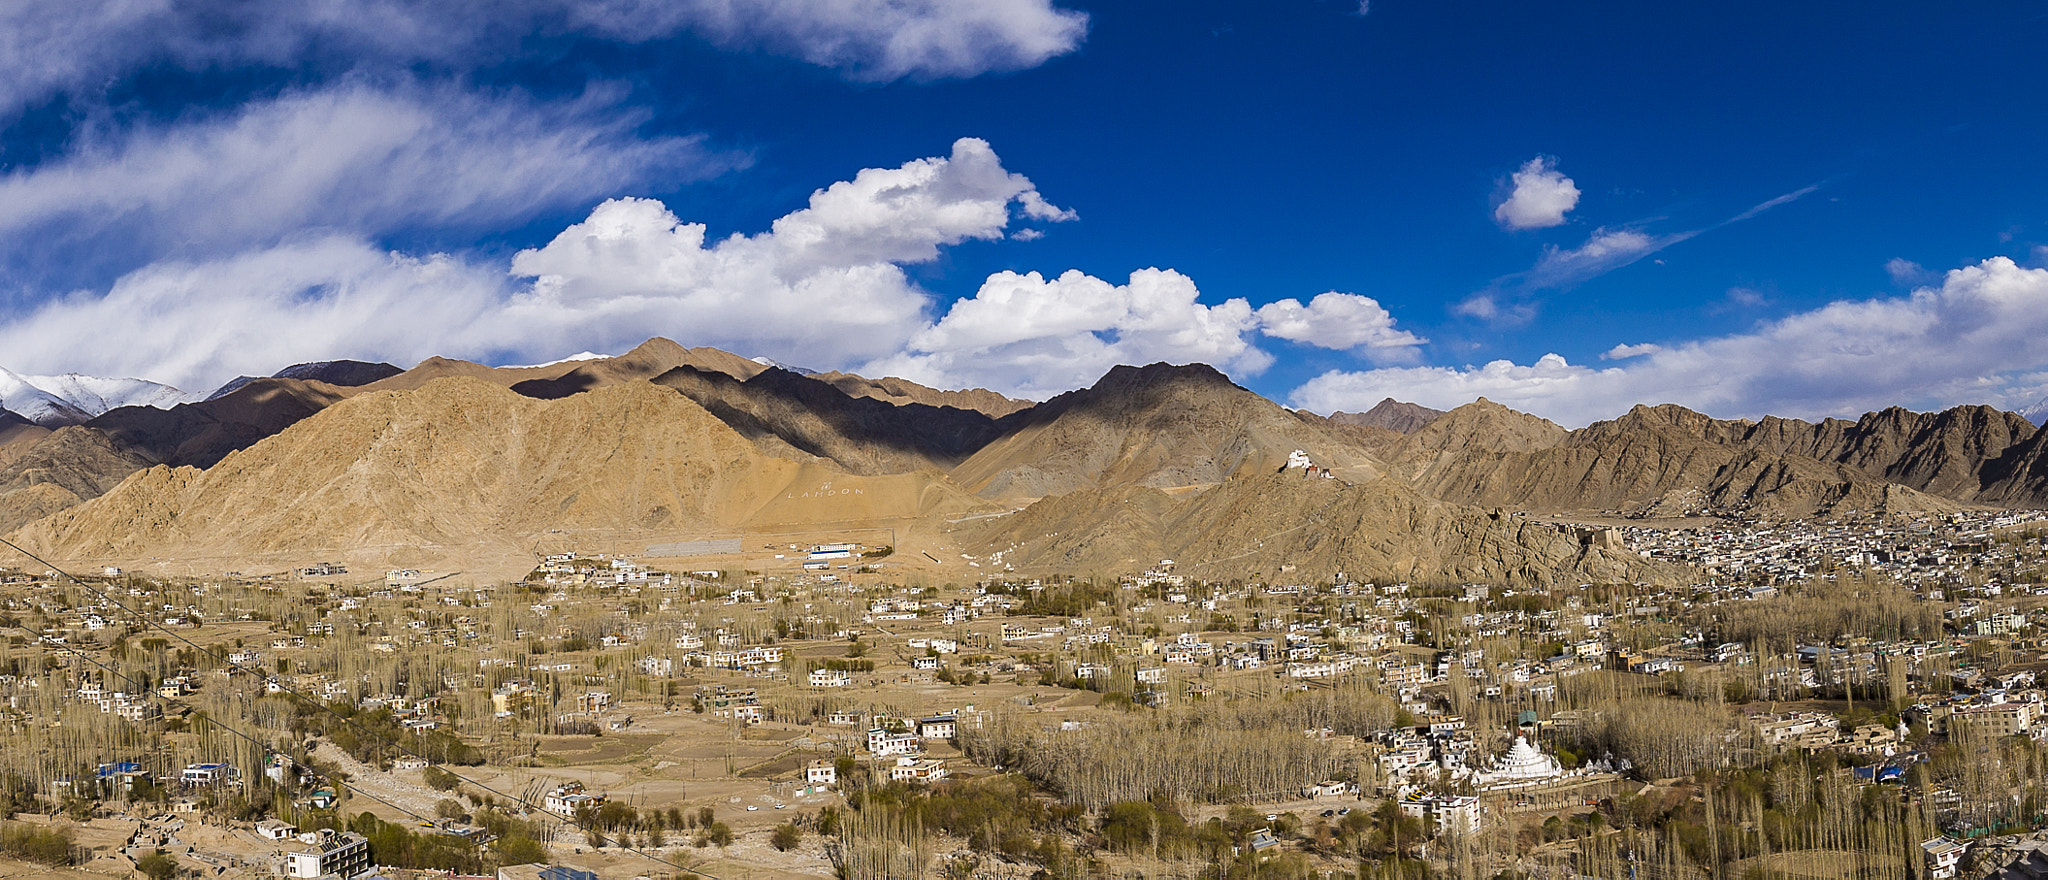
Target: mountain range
[453,464]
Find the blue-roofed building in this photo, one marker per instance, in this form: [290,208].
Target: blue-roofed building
[544,872]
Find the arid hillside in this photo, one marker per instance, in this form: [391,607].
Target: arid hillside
[1285,527]
[457,462]
[1159,427]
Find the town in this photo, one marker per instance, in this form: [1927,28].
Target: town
[1863,685]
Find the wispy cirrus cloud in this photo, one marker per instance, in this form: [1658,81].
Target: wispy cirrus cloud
[351,157]
[1510,298]
[51,47]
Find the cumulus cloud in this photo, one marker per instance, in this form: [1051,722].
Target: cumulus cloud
[1032,336]
[824,284]
[49,47]
[351,157]
[1540,197]
[1338,321]
[1973,339]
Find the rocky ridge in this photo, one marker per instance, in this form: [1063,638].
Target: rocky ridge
[454,459]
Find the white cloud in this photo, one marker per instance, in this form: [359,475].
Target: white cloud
[873,40]
[1510,300]
[1904,271]
[1338,321]
[351,157]
[1747,297]
[1974,339]
[1625,351]
[822,286]
[1490,307]
[195,325]
[1541,197]
[1604,251]
[49,47]
[1030,336]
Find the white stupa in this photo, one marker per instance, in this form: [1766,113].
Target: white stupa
[1524,764]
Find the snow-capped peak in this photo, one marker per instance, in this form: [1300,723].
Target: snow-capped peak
[71,398]
[579,356]
[771,362]
[2038,413]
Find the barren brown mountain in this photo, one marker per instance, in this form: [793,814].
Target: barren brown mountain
[462,468]
[785,412]
[454,461]
[249,410]
[2019,475]
[17,433]
[646,361]
[1160,427]
[56,470]
[1286,527]
[1391,414]
[200,434]
[1945,453]
[457,462]
[341,374]
[903,391]
[1673,459]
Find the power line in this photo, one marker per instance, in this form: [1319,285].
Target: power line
[146,620]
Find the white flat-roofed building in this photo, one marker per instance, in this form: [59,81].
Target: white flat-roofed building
[344,854]
[938,727]
[882,742]
[909,769]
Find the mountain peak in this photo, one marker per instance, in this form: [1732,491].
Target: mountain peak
[1391,414]
[341,374]
[72,398]
[2038,413]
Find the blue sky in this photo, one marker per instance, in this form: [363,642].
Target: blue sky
[1569,208]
